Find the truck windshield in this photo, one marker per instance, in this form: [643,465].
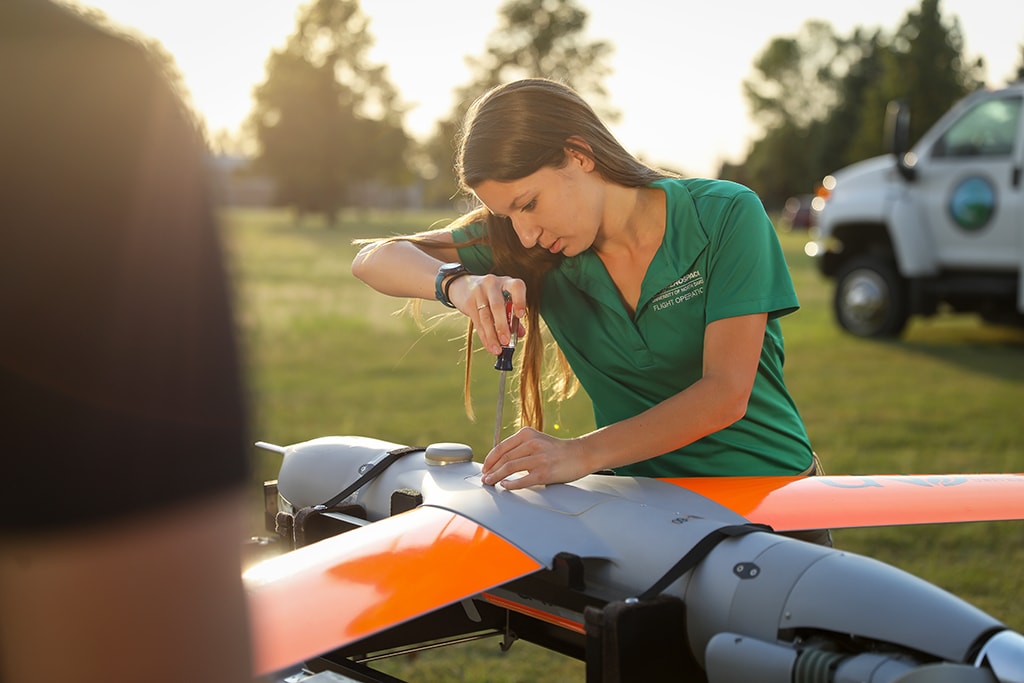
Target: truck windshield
[990,128]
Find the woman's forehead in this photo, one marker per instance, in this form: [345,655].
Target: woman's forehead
[503,197]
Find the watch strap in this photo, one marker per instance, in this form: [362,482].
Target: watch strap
[447,301]
[445,272]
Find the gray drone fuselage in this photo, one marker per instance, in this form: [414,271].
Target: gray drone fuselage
[753,604]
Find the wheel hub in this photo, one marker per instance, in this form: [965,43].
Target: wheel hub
[865,299]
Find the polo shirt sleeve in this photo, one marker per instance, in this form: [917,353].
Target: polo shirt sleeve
[477,258]
[747,269]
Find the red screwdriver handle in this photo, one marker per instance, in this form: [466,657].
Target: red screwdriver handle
[504,360]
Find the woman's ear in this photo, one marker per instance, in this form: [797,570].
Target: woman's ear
[578,151]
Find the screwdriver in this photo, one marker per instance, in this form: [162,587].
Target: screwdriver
[504,363]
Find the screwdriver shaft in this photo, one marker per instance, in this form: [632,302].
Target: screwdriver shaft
[503,364]
[500,409]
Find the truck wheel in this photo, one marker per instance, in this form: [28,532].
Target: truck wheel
[870,298]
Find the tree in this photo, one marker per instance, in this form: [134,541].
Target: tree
[924,65]
[795,87]
[534,38]
[820,99]
[542,38]
[794,84]
[865,50]
[325,119]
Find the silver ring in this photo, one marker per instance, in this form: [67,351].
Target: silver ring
[482,306]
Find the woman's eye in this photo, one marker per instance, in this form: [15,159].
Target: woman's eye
[530,205]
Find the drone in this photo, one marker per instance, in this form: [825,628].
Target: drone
[393,548]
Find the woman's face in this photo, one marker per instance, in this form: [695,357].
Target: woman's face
[558,208]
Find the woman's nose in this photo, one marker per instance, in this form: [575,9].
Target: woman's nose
[527,232]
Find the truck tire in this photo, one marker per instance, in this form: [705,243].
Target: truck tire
[870,298]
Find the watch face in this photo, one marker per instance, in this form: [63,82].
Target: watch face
[451,268]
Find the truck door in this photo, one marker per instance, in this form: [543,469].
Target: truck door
[969,187]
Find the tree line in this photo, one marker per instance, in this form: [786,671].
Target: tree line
[326,120]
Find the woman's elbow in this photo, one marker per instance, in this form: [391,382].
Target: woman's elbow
[362,263]
[734,409]
[739,410]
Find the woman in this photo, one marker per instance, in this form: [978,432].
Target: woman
[664,295]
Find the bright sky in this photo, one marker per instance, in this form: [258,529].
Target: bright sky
[678,66]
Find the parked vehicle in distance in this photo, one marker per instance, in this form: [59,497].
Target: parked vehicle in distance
[801,212]
[938,227]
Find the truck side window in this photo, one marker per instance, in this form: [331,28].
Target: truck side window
[988,129]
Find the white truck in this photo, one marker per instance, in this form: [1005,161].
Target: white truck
[937,227]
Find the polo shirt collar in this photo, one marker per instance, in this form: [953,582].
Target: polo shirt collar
[684,240]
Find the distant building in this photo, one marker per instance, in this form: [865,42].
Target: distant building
[376,195]
[236,185]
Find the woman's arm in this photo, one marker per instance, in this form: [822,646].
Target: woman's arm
[406,269]
[732,349]
[402,268]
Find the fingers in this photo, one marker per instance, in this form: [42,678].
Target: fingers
[495,465]
[491,325]
[482,298]
[539,456]
[517,291]
[529,475]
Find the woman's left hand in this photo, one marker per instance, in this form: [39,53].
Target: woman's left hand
[544,458]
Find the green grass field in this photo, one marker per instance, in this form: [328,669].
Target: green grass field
[326,355]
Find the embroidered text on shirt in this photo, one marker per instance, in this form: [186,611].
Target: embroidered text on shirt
[683,289]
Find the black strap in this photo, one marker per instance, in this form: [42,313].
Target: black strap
[697,553]
[369,475]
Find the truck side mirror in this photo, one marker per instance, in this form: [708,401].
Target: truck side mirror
[897,137]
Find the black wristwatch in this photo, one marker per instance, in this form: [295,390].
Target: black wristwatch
[446,271]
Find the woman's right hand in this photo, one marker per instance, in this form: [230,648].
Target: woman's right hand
[482,298]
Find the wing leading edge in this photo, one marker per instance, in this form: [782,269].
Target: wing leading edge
[358,583]
[838,502]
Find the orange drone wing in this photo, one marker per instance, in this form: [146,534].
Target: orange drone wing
[797,503]
[363,581]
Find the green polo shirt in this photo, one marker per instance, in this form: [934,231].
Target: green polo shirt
[720,258]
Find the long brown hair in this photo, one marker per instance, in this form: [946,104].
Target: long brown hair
[510,132]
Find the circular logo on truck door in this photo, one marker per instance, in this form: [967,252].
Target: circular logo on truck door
[972,203]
